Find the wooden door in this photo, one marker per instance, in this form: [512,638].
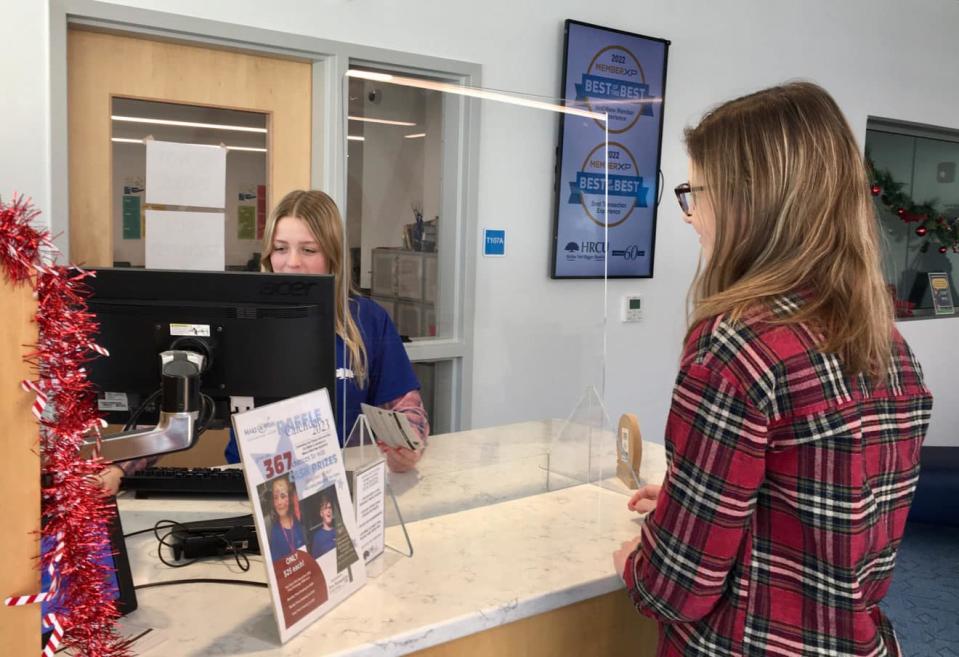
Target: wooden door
[104,66]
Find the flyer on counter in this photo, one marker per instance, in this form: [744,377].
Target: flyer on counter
[369,496]
[302,507]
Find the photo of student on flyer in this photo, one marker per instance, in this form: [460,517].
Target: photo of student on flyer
[324,535]
[286,534]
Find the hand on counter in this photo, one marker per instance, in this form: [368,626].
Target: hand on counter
[108,479]
[622,554]
[401,459]
[644,500]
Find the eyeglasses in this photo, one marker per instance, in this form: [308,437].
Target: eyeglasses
[684,194]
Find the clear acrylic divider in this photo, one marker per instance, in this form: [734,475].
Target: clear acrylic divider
[525,415]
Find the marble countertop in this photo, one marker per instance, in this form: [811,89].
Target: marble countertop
[489,549]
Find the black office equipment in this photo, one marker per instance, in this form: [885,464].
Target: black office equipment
[260,335]
[215,537]
[114,557]
[192,482]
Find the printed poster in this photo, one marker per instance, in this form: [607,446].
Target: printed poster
[941,293]
[131,217]
[622,75]
[246,222]
[134,219]
[302,508]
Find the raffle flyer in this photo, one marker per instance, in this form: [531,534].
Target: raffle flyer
[301,504]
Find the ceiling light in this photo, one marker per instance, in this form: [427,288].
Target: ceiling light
[367,119]
[415,135]
[124,140]
[187,124]
[473,92]
[355,138]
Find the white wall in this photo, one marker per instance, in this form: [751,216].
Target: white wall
[881,57]
[24,109]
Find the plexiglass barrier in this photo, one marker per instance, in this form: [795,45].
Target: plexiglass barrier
[510,364]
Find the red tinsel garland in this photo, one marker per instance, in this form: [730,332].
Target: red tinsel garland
[72,507]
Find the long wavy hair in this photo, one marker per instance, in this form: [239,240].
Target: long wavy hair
[323,218]
[789,189]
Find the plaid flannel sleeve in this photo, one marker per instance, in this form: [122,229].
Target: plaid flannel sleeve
[717,440]
[131,467]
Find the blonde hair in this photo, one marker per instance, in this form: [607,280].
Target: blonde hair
[321,215]
[788,187]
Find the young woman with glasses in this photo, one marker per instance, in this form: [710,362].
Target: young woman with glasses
[799,410]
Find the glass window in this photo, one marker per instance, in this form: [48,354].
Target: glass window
[393,201]
[245,136]
[916,192]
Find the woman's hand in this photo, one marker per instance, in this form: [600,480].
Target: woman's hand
[622,554]
[108,479]
[644,500]
[401,459]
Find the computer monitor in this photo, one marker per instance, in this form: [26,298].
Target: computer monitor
[264,335]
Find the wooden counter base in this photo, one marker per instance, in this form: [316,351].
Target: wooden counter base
[607,626]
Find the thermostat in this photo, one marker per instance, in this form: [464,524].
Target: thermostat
[632,309]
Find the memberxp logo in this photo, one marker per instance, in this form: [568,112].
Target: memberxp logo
[616,84]
[626,189]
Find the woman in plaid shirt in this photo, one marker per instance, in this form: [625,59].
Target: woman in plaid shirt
[798,413]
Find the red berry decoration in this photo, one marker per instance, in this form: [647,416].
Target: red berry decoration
[942,249]
[875,189]
[921,231]
[901,212]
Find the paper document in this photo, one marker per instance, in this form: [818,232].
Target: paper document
[185,174]
[391,428]
[185,240]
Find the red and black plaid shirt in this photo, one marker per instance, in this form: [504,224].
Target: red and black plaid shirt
[785,497]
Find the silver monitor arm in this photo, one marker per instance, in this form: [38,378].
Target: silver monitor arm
[179,409]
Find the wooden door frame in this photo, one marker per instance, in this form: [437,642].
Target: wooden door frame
[330,61]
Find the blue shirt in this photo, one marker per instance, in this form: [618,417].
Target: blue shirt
[324,540]
[389,373]
[284,542]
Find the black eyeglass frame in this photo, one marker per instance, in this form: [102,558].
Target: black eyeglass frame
[683,192]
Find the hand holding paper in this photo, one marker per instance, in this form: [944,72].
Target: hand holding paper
[392,429]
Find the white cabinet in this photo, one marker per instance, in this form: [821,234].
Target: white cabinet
[404,282]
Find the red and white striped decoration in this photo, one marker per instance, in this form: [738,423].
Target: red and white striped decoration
[49,594]
[56,637]
[75,516]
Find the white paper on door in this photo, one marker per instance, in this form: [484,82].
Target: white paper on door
[185,174]
[185,240]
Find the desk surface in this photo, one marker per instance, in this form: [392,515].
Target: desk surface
[489,549]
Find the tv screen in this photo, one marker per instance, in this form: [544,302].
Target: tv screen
[622,75]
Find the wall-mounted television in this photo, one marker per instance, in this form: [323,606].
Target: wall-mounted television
[622,75]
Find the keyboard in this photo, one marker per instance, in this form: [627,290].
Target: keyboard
[194,482]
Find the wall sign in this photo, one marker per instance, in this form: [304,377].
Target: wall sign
[494,242]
